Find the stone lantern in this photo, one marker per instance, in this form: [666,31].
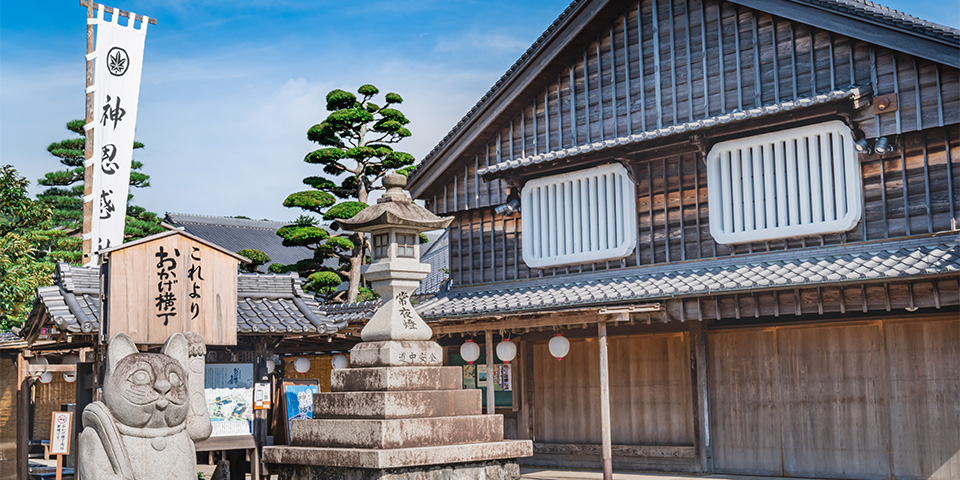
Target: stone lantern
[394,225]
[397,412]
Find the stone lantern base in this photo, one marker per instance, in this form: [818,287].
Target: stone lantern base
[489,470]
[397,413]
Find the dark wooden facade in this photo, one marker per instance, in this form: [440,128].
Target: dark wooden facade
[765,60]
[842,380]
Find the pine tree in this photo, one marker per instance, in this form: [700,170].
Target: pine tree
[65,198]
[356,139]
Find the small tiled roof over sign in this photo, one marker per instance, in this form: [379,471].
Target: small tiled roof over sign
[236,234]
[900,260]
[265,304]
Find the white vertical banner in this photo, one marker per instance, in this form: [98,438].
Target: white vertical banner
[118,60]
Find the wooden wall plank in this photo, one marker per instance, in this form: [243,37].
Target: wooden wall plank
[745,422]
[650,392]
[923,404]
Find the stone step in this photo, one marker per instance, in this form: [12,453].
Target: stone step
[397,353]
[397,433]
[396,378]
[397,404]
[397,457]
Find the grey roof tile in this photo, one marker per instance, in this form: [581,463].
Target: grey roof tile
[814,266]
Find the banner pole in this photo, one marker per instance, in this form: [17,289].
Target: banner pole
[87,238]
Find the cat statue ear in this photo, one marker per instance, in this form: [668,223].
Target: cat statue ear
[121,346]
[177,348]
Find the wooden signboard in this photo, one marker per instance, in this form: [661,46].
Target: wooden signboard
[168,283]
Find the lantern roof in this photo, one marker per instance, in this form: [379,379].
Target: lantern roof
[395,209]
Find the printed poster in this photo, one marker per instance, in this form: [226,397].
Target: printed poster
[229,391]
[299,402]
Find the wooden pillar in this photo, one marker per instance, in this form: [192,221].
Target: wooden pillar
[259,415]
[698,375]
[24,382]
[605,402]
[528,412]
[87,240]
[490,393]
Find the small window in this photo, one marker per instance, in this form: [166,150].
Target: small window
[405,245]
[579,217]
[797,182]
[381,246]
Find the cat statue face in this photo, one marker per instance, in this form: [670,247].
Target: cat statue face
[147,390]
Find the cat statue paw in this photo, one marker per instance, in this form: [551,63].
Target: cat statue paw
[145,426]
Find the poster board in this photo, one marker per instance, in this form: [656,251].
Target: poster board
[297,398]
[229,391]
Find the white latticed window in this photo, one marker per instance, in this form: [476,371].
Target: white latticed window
[579,217]
[797,182]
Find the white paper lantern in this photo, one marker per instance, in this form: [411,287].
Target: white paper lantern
[470,351]
[506,351]
[70,360]
[47,377]
[271,366]
[559,346]
[39,364]
[301,364]
[340,361]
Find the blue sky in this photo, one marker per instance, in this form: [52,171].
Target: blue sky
[230,87]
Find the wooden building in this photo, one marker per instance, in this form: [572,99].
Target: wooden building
[744,216]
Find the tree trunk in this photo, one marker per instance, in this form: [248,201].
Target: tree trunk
[356,261]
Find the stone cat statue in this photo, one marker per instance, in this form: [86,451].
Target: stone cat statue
[153,410]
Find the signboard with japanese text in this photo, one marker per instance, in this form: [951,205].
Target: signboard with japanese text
[261,396]
[118,61]
[169,283]
[60,433]
[229,390]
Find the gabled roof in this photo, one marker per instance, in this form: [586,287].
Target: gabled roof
[858,19]
[236,234]
[835,265]
[168,233]
[265,304]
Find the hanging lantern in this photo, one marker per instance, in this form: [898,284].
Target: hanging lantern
[559,346]
[70,360]
[470,351]
[340,361]
[39,364]
[271,366]
[301,364]
[47,377]
[506,351]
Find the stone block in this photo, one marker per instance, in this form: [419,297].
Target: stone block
[398,433]
[397,404]
[397,457]
[396,378]
[399,353]
[506,469]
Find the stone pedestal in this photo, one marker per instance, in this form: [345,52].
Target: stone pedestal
[399,414]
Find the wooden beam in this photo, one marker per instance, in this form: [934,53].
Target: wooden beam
[607,454]
[542,319]
[647,451]
[491,397]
